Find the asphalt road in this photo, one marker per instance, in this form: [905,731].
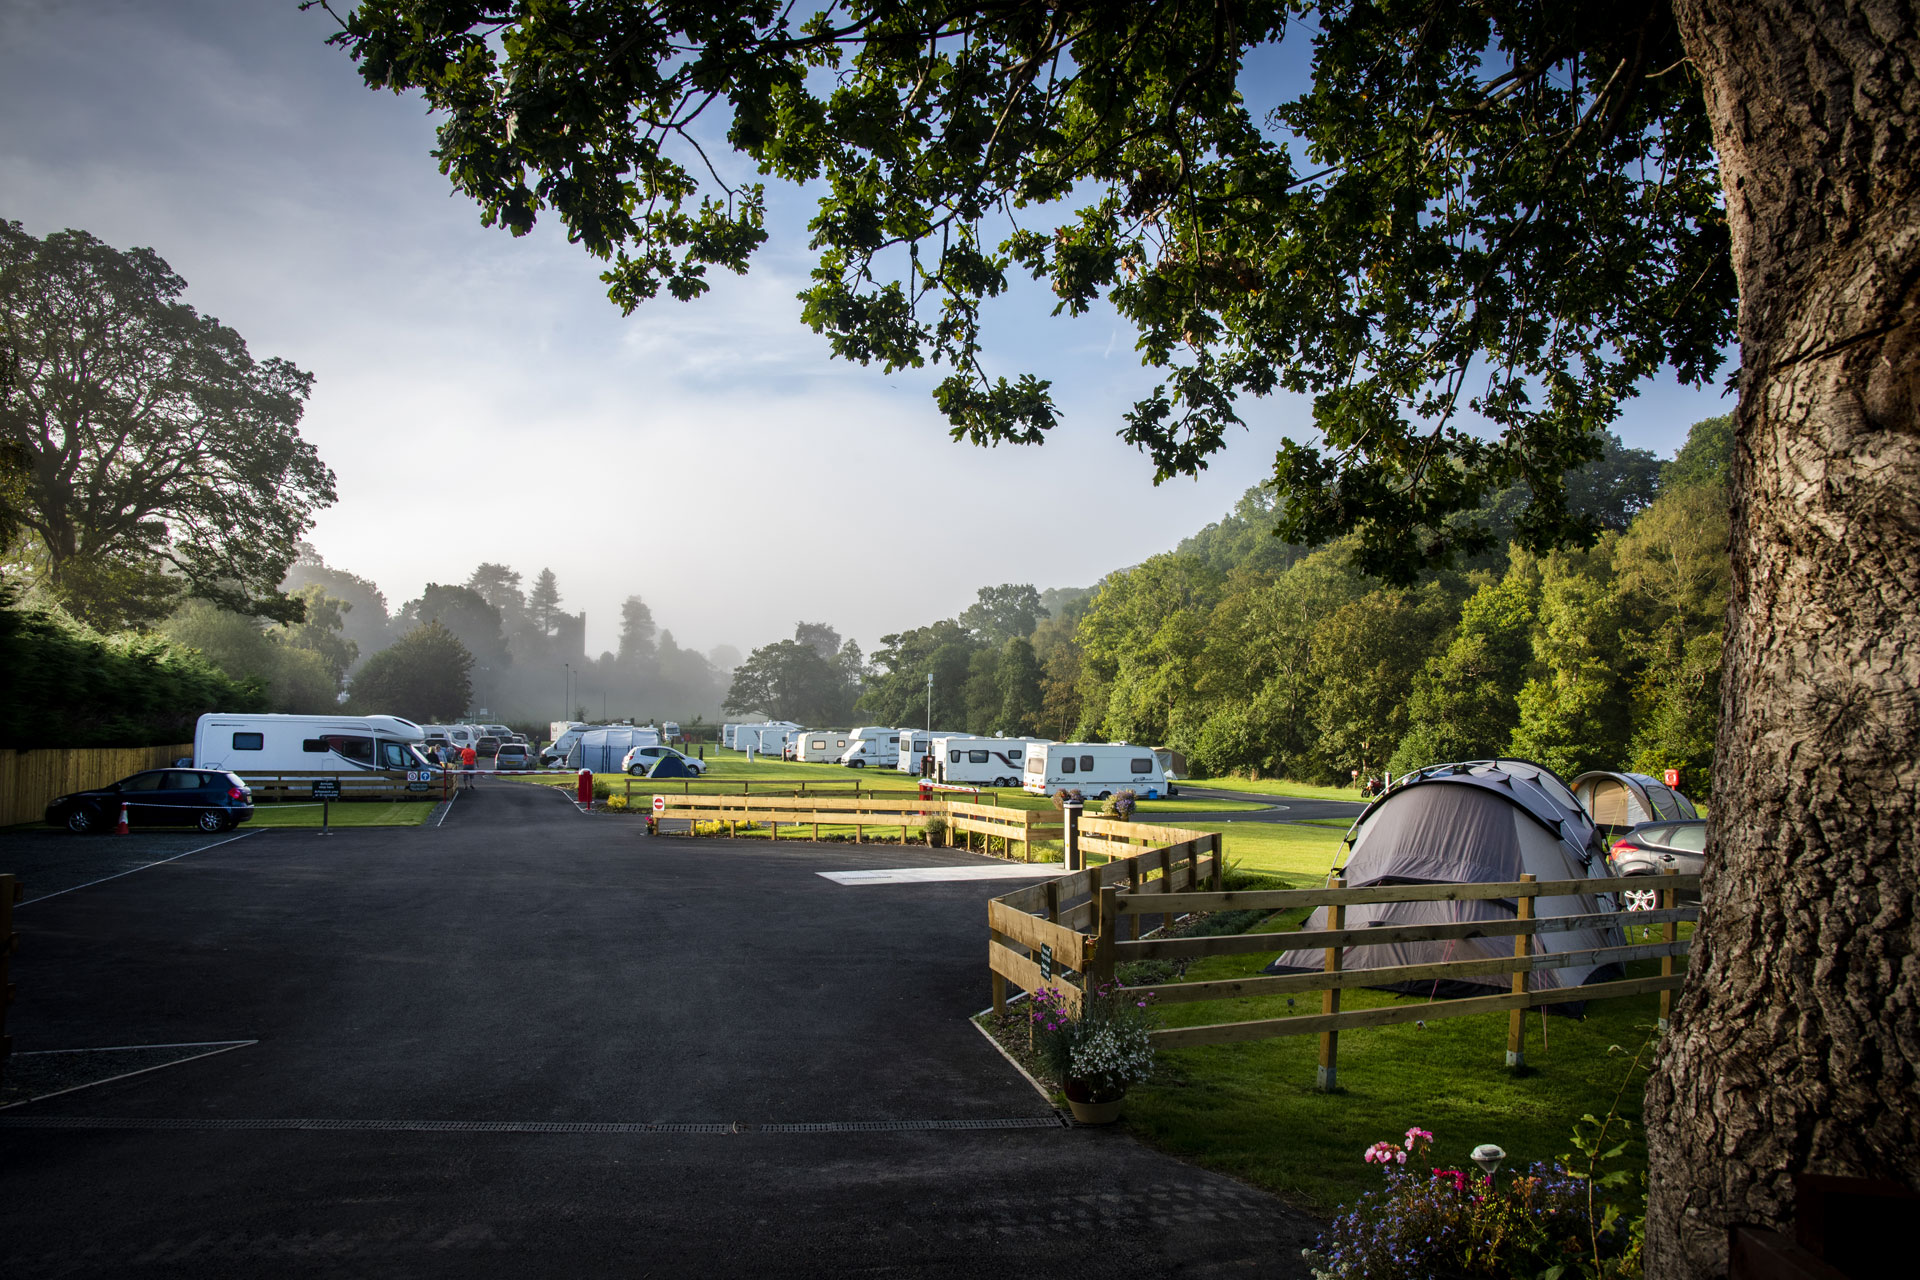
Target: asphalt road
[532,1042]
[1288,809]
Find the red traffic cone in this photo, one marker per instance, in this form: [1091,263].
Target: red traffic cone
[120,827]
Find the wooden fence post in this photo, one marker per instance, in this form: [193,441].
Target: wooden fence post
[1166,886]
[1668,901]
[1109,919]
[1070,835]
[9,892]
[1219,859]
[1133,886]
[1517,1019]
[1326,1077]
[1026,835]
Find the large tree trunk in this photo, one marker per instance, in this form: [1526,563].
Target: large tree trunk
[1796,1044]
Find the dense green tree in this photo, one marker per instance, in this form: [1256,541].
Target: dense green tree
[1516,212]
[1363,662]
[896,694]
[1463,704]
[321,631]
[365,623]
[981,692]
[1018,678]
[294,679]
[1246,538]
[1001,613]
[1706,457]
[466,613]
[789,680]
[425,675]
[161,458]
[1576,713]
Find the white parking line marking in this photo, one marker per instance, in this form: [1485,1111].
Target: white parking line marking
[143,866]
[927,875]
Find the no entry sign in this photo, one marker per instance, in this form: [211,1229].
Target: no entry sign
[1673,777]
[659,804]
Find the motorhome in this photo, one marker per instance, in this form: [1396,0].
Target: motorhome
[816,745]
[563,745]
[766,739]
[266,745]
[992,762]
[557,727]
[873,745]
[1095,769]
[914,745]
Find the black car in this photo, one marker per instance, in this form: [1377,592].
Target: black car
[210,799]
[487,746]
[1652,848]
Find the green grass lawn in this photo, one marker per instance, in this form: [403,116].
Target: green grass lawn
[353,813]
[1251,1110]
[1278,787]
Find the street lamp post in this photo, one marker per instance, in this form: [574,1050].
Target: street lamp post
[566,691]
[929,702]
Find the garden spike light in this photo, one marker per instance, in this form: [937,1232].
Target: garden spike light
[1488,1157]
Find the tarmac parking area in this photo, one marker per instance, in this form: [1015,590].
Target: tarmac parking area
[532,1041]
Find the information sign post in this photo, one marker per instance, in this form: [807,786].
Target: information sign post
[326,791]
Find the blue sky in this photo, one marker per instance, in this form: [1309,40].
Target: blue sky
[480,399]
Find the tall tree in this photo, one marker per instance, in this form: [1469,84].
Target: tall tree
[543,602]
[161,458]
[465,613]
[321,631]
[818,636]
[365,623]
[998,614]
[1463,705]
[425,675]
[788,680]
[499,586]
[1519,211]
[1019,689]
[636,631]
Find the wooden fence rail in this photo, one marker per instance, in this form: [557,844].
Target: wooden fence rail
[1087,940]
[29,779]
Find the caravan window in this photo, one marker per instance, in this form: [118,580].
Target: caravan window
[1086,764]
[894,741]
[1066,764]
[249,742]
[353,748]
[976,757]
[318,746]
[1141,766]
[953,757]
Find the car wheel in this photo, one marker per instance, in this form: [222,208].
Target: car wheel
[82,819]
[856,764]
[212,820]
[1640,899]
[636,772]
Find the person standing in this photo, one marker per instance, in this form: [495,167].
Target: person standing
[468,759]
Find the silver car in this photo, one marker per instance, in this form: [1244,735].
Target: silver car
[1654,848]
[641,759]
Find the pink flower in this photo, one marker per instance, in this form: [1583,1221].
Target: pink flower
[1383,1153]
[1417,1135]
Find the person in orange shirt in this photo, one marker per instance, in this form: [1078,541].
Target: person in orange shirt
[467,759]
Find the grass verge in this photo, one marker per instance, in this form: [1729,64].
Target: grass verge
[356,813]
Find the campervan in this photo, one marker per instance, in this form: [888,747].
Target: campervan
[815,745]
[914,745]
[264,745]
[992,762]
[1095,769]
[557,727]
[873,745]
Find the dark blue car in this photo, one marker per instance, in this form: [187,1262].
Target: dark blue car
[210,799]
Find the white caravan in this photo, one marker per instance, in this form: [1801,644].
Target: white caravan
[726,736]
[264,745]
[1095,769]
[819,745]
[992,762]
[872,745]
[767,739]
[914,745]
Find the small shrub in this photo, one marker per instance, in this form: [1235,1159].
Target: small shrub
[1121,804]
[1148,973]
[934,829]
[616,803]
[1063,795]
[602,788]
[709,828]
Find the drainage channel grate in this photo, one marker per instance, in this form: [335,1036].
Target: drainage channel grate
[518,1126]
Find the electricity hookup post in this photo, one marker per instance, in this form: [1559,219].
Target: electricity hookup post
[1070,817]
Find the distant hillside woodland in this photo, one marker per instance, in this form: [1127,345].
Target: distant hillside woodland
[1257,657]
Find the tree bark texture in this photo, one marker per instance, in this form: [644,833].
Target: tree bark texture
[1796,1044]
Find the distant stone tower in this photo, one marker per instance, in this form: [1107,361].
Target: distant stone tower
[570,635]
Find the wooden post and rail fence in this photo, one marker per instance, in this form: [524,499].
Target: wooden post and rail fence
[904,812]
[1090,924]
[30,779]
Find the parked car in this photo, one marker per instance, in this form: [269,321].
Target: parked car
[213,800]
[513,755]
[1652,848]
[487,746]
[639,760]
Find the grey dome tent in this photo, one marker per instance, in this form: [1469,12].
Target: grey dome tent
[1483,821]
[602,750]
[1616,801]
